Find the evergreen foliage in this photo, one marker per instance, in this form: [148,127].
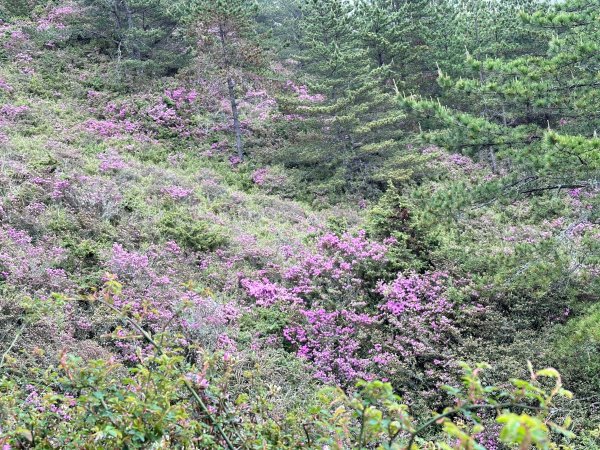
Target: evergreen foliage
[244,224]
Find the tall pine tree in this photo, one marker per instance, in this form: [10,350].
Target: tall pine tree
[538,112]
[140,35]
[225,34]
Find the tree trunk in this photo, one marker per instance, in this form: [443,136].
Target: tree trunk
[493,161]
[231,88]
[130,28]
[236,118]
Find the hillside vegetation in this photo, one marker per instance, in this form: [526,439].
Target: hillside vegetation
[285,224]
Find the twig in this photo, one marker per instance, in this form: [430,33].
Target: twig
[187,383]
[12,344]
[452,412]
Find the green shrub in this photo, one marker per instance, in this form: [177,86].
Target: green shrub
[192,234]
[578,351]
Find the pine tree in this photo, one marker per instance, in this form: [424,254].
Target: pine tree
[138,34]
[394,36]
[279,20]
[329,50]
[226,38]
[537,112]
[359,121]
[484,29]
[384,32]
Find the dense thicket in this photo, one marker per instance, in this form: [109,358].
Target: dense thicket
[286,224]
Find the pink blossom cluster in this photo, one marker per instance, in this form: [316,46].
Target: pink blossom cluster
[302,92]
[171,114]
[269,180]
[414,321]
[13,112]
[459,160]
[155,293]
[354,246]
[55,18]
[127,263]
[420,315]
[116,111]
[259,176]
[61,408]
[582,198]
[93,95]
[335,344]
[335,267]
[581,228]
[34,265]
[18,45]
[403,322]
[174,112]
[16,40]
[179,96]
[111,161]
[235,160]
[109,128]
[198,380]
[267,293]
[177,192]
[58,188]
[169,118]
[5,86]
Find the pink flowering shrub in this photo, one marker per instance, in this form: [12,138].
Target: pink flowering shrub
[453,164]
[154,293]
[60,409]
[235,161]
[269,180]
[259,176]
[337,273]
[30,264]
[347,327]
[111,161]
[331,275]
[4,86]
[173,114]
[177,192]
[13,39]
[419,314]
[56,18]
[302,92]
[266,293]
[336,344]
[9,115]
[179,97]
[109,128]
[144,116]
[13,112]
[412,328]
